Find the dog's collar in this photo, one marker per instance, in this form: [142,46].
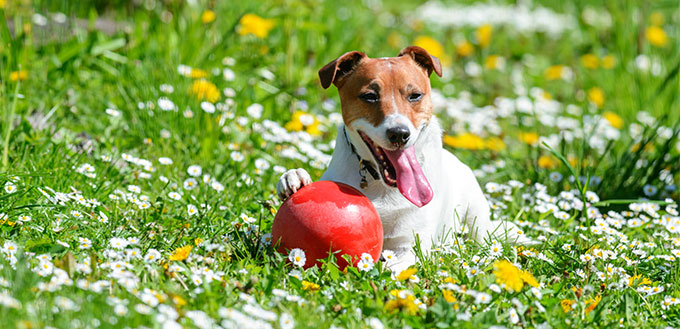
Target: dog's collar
[365,165]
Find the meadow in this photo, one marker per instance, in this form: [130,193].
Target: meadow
[142,141]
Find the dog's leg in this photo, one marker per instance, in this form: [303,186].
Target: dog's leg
[291,181]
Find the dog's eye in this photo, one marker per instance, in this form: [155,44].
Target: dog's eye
[415,97]
[369,97]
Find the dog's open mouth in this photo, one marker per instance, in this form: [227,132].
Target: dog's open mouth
[400,168]
[386,169]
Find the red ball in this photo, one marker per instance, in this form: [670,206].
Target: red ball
[327,216]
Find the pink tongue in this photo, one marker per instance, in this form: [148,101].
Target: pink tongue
[411,180]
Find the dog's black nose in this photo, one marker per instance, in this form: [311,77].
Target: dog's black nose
[398,135]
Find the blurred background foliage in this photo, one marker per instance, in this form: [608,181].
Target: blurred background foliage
[83,55]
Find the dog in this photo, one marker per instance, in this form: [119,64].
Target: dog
[390,148]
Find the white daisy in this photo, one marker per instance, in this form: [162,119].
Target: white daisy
[175,196]
[297,257]
[194,170]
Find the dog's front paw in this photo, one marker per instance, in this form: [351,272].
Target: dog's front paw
[291,181]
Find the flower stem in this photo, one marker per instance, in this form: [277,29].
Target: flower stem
[8,131]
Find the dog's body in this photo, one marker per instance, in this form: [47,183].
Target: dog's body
[389,132]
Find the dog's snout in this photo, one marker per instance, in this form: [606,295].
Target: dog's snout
[398,135]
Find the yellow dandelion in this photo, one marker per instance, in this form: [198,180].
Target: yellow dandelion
[637,280]
[656,36]
[495,144]
[406,305]
[566,305]
[590,61]
[18,76]
[208,16]
[8,223]
[197,74]
[591,303]
[311,286]
[529,279]
[483,35]
[608,61]
[596,96]
[465,48]
[178,300]
[547,162]
[648,147]
[506,273]
[205,90]
[304,121]
[554,72]
[448,296]
[161,298]
[614,120]
[530,138]
[467,141]
[494,62]
[181,253]
[255,25]
[406,274]
[573,161]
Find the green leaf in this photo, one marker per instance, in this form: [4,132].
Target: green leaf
[69,52]
[629,305]
[353,269]
[106,67]
[566,163]
[607,203]
[115,57]
[5,36]
[114,44]
[7,41]
[333,271]
[670,76]
[41,245]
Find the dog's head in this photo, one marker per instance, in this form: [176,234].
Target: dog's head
[386,101]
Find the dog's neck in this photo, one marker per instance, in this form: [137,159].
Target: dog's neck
[366,167]
[350,151]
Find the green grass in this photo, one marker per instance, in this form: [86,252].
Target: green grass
[75,74]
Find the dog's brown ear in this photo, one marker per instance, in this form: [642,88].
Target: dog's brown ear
[424,59]
[339,67]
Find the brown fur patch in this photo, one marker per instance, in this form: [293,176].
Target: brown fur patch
[393,79]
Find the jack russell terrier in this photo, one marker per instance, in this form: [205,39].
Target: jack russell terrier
[390,148]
